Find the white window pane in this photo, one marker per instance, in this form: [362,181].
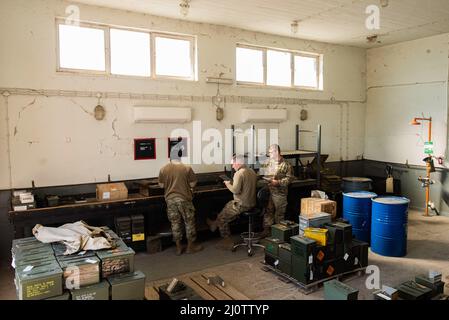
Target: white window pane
[249,64]
[81,48]
[306,72]
[130,53]
[278,68]
[173,57]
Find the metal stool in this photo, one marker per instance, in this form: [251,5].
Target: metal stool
[249,238]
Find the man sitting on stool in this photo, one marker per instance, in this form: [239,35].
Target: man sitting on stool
[178,179]
[244,189]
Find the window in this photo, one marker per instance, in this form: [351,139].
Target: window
[81,48]
[249,64]
[130,53]
[173,57]
[278,67]
[306,74]
[279,72]
[106,50]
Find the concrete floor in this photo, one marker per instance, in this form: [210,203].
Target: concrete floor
[428,248]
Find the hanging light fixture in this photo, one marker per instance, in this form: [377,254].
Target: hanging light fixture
[294,26]
[184,7]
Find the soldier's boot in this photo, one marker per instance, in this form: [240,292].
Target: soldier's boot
[193,247]
[225,244]
[212,224]
[266,232]
[179,247]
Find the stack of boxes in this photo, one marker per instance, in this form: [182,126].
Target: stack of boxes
[317,248]
[43,272]
[132,230]
[23,200]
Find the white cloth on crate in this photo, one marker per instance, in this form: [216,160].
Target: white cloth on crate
[77,236]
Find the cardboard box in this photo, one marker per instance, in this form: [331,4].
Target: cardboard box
[112,191]
[310,206]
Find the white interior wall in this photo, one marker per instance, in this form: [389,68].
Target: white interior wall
[405,81]
[55,140]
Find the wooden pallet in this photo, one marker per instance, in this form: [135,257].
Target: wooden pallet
[206,291]
[312,287]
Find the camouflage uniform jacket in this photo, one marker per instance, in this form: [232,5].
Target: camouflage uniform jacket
[278,170]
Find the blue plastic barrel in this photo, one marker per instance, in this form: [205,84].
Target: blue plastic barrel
[354,184]
[357,210]
[389,223]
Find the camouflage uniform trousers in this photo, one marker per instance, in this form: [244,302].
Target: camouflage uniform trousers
[229,213]
[177,210]
[275,210]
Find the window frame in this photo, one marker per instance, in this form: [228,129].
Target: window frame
[293,53]
[107,34]
[190,39]
[264,66]
[107,61]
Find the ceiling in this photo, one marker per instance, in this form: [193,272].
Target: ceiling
[333,21]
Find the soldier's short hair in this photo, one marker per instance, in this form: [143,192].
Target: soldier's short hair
[238,158]
[276,146]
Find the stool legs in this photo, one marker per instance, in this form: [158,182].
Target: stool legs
[249,239]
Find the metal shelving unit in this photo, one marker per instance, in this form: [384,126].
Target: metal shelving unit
[297,154]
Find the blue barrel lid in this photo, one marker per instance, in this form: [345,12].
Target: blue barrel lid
[391,200]
[360,194]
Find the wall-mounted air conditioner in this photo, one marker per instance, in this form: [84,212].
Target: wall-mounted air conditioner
[143,114]
[264,115]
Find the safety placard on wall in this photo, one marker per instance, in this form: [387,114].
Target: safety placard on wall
[428,147]
[144,149]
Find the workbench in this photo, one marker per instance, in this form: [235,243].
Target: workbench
[210,196]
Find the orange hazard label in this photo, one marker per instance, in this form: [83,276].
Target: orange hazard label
[320,255]
[330,270]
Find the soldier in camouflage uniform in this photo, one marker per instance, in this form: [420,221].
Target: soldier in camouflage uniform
[280,174]
[244,189]
[178,180]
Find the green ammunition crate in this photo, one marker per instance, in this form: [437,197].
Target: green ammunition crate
[98,291]
[336,290]
[39,283]
[410,290]
[272,246]
[302,270]
[42,264]
[285,258]
[360,251]
[24,254]
[437,288]
[302,246]
[24,244]
[115,261]
[347,231]
[335,239]
[64,296]
[284,232]
[35,260]
[127,286]
[331,268]
[271,260]
[321,254]
[88,268]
